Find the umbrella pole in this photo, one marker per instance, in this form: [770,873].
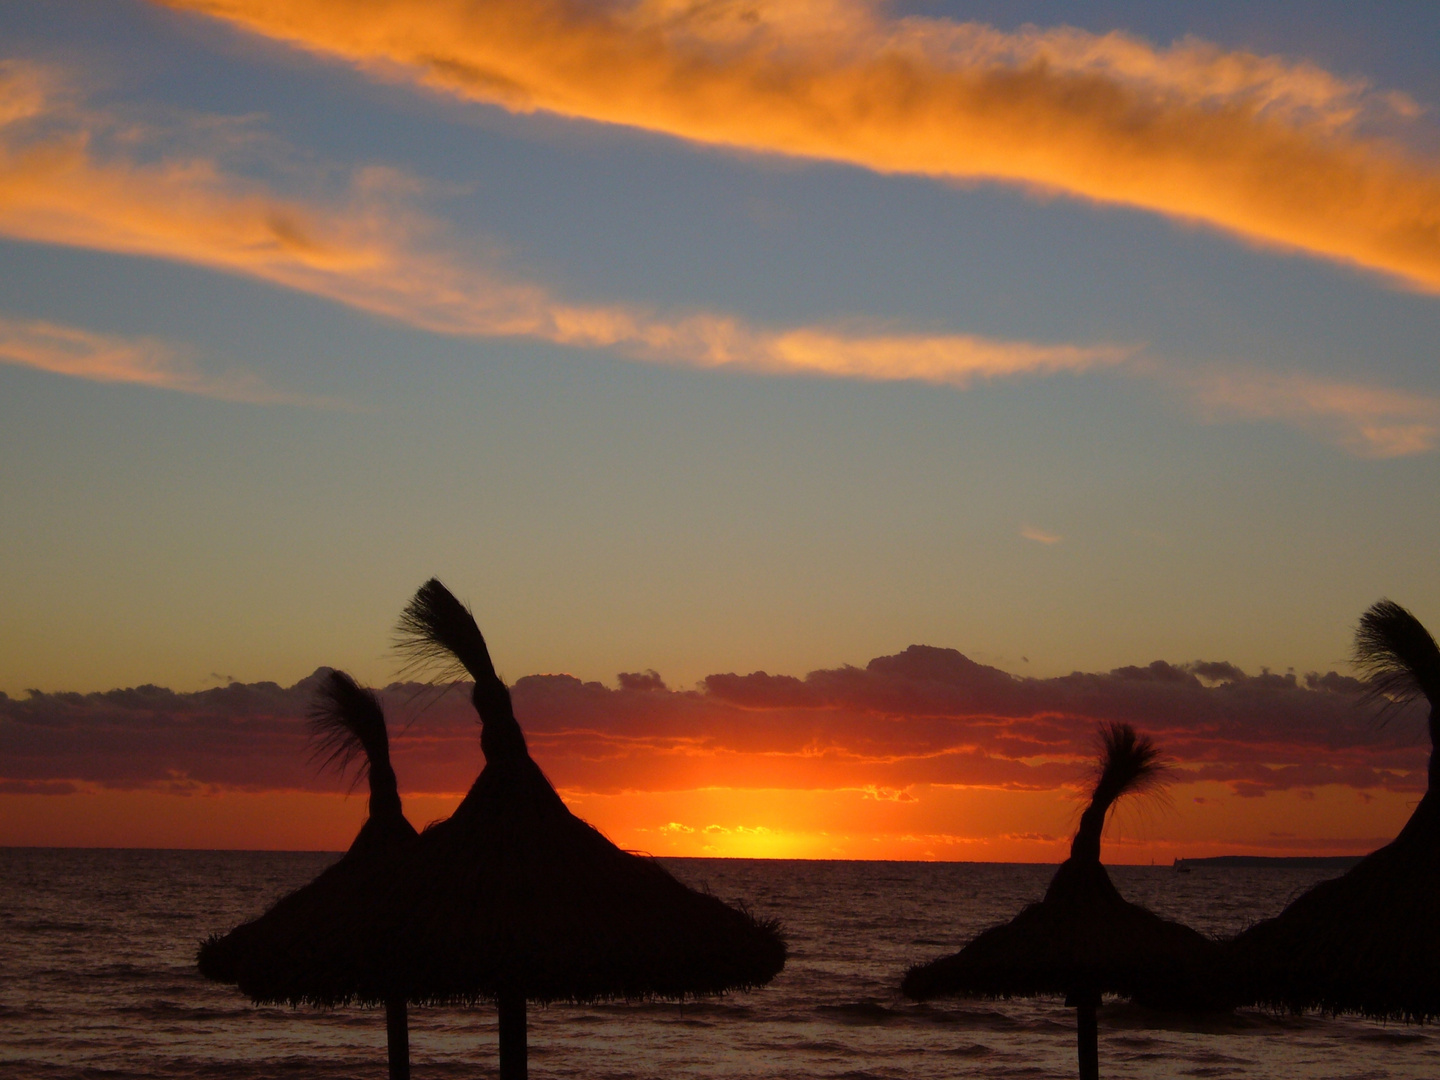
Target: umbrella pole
[397,1038]
[1087,1035]
[514,1054]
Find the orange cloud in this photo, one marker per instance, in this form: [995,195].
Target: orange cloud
[57,188]
[1264,148]
[81,354]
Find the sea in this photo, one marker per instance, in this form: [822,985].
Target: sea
[98,980]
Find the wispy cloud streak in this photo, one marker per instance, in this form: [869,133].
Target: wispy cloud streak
[1368,420]
[66,178]
[1040,536]
[1273,150]
[111,358]
[372,252]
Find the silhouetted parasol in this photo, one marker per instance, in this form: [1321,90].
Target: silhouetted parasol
[1367,942]
[322,944]
[514,899]
[1083,939]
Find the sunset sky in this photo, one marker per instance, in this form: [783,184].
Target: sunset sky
[892,391]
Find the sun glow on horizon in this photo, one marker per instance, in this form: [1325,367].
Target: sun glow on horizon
[937,824]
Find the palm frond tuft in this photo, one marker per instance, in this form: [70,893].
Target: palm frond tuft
[1397,655]
[438,632]
[1129,763]
[346,723]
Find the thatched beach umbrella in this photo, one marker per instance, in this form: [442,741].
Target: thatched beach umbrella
[323,944]
[515,899]
[1083,939]
[1367,942]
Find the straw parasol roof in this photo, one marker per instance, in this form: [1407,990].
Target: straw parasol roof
[515,899]
[1083,934]
[1367,942]
[1084,939]
[323,944]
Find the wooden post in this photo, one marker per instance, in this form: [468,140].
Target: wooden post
[514,1054]
[397,1036]
[1087,1035]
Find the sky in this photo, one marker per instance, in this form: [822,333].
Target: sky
[893,392]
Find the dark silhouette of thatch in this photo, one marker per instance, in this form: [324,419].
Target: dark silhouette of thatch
[1367,942]
[514,899]
[324,944]
[1083,939]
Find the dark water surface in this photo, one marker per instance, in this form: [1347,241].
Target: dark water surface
[97,980]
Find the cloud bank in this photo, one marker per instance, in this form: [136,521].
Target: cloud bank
[925,717]
[1280,153]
